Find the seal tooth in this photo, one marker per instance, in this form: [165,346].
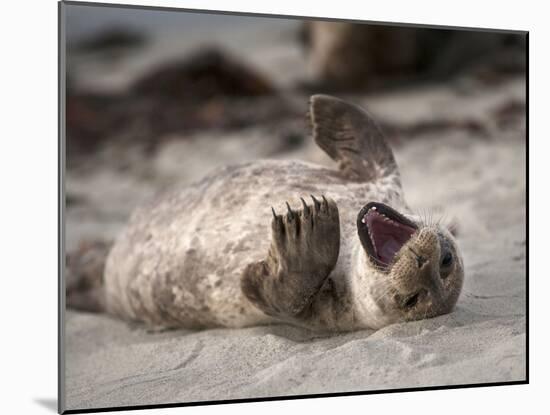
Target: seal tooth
[374,245]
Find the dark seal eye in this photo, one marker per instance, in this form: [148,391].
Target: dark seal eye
[447,260]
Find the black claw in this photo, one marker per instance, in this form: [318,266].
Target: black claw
[326,202]
[306,207]
[290,212]
[274,214]
[316,202]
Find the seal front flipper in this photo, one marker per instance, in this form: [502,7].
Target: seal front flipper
[350,136]
[304,250]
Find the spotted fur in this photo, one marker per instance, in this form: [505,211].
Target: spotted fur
[213,255]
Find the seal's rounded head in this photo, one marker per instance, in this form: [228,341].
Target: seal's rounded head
[418,267]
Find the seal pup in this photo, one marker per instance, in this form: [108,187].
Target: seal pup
[286,241]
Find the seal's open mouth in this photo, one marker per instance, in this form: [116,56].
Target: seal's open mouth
[383,232]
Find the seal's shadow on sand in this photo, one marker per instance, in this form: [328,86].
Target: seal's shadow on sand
[462,316]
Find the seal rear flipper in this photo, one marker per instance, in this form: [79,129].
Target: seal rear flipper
[84,277]
[350,136]
[304,251]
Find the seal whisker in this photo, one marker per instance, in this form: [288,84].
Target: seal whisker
[388,290]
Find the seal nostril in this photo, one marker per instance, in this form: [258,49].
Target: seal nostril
[420,260]
[411,301]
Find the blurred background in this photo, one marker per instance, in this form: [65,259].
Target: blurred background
[157,98]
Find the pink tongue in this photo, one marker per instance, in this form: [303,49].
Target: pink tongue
[388,250]
[387,236]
